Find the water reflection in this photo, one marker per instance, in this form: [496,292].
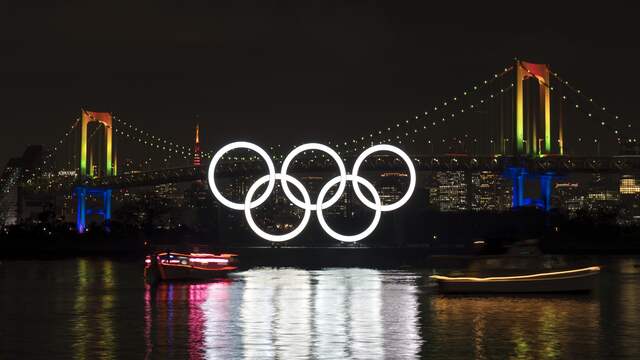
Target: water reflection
[523,327]
[108,340]
[79,325]
[148,344]
[92,309]
[100,309]
[352,299]
[621,309]
[400,315]
[289,314]
[220,315]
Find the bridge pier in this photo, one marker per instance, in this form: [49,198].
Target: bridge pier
[518,175]
[81,210]
[546,181]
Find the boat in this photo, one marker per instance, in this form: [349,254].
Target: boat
[522,255]
[168,266]
[576,280]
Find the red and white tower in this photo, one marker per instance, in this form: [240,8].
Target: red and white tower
[196,149]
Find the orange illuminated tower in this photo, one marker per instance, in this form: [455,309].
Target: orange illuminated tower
[533,137]
[196,149]
[105,119]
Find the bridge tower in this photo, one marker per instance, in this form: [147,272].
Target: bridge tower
[105,119]
[533,128]
[196,149]
[533,131]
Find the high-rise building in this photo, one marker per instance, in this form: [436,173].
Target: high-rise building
[629,185]
[9,180]
[392,186]
[448,192]
[603,194]
[14,206]
[169,193]
[567,195]
[630,200]
[490,192]
[602,200]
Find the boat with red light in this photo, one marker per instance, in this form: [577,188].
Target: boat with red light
[168,266]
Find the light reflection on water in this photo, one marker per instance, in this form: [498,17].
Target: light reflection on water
[518,328]
[292,314]
[100,309]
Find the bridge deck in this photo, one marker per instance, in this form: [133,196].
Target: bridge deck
[555,164]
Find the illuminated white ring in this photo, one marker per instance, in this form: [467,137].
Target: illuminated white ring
[241,145]
[336,158]
[368,230]
[260,232]
[412,175]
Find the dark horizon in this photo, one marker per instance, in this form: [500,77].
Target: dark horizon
[250,71]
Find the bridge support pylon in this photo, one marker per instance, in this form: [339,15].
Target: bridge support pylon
[104,119]
[518,176]
[82,192]
[533,132]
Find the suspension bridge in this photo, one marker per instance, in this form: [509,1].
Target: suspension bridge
[524,122]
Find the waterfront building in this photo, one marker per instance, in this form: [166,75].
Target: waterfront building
[392,186]
[169,193]
[490,191]
[567,195]
[9,180]
[448,191]
[629,185]
[629,200]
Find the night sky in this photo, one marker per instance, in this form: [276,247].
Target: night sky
[286,73]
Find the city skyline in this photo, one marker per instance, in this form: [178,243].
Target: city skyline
[319,179]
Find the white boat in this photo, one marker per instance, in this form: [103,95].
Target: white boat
[577,280]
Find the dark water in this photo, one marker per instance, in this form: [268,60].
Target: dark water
[100,309]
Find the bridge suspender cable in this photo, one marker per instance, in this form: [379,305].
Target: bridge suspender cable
[372,137]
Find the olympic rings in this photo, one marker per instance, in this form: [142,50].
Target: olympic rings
[376,218]
[247,208]
[336,158]
[241,145]
[412,177]
[307,205]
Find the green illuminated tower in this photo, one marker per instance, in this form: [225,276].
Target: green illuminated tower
[529,139]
